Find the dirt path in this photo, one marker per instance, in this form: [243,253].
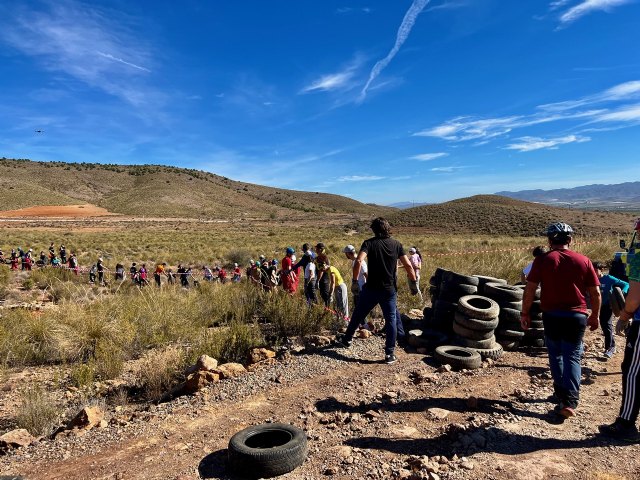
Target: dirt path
[57,211]
[364,420]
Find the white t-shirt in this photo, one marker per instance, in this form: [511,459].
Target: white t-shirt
[310,271]
[363,271]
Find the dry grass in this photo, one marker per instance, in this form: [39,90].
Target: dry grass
[37,413]
[159,371]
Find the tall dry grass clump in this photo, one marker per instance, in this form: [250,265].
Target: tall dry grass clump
[159,371]
[38,413]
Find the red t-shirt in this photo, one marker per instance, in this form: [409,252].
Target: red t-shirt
[564,276]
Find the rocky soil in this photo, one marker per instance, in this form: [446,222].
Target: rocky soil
[363,419]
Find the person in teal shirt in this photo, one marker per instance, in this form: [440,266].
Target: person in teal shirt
[607,282]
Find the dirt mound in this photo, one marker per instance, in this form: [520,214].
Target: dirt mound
[60,211]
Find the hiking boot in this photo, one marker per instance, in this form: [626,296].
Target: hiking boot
[390,359]
[621,430]
[341,341]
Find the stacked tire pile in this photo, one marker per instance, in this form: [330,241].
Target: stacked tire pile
[475,320]
[446,289]
[509,332]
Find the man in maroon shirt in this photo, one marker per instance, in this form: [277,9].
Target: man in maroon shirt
[565,278]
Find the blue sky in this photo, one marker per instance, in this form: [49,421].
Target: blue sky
[383,101]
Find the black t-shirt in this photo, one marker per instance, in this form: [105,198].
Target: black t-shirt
[382,262]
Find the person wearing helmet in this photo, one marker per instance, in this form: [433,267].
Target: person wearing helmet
[381,288]
[624,427]
[288,275]
[565,277]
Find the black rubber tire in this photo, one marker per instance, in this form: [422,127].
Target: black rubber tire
[469,333]
[458,357]
[509,344]
[494,352]
[534,333]
[617,301]
[461,288]
[267,450]
[536,308]
[511,305]
[476,306]
[426,338]
[503,293]
[453,278]
[438,275]
[517,326]
[476,344]
[504,333]
[433,281]
[444,310]
[449,295]
[538,293]
[483,280]
[533,342]
[427,314]
[475,323]
[536,323]
[509,315]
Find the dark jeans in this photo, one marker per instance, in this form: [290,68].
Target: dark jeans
[563,335]
[631,375]
[310,292]
[387,301]
[606,323]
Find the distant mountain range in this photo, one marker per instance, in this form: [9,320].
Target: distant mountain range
[620,196]
[403,205]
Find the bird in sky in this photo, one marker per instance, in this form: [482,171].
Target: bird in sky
[39,131]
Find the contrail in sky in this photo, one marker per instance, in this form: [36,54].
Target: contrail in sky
[403,32]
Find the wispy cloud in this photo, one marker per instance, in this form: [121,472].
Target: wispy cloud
[85,43]
[341,80]
[425,157]
[449,5]
[611,105]
[360,178]
[585,7]
[403,33]
[449,169]
[343,10]
[529,144]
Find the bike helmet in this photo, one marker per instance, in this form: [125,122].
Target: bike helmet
[290,251]
[274,262]
[349,249]
[559,228]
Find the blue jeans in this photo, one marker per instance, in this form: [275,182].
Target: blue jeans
[563,337]
[368,300]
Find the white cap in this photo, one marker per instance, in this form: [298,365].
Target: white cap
[349,248]
[412,250]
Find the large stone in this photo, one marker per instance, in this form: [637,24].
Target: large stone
[205,363]
[88,417]
[258,355]
[316,341]
[16,439]
[230,370]
[199,380]
[438,413]
[364,333]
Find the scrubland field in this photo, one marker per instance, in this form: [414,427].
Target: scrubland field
[72,344]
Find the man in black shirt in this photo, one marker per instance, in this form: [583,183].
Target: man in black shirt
[382,253]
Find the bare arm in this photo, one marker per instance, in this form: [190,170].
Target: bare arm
[357,265]
[596,301]
[408,267]
[527,301]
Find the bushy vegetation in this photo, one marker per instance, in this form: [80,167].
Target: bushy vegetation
[37,412]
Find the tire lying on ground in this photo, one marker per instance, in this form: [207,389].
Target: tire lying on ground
[503,293]
[458,357]
[267,450]
[426,338]
[477,344]
[476,306]
[494,353]
[454,278]
[471,334]
[509,315]
[617,300]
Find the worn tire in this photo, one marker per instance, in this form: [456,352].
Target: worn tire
[494,352]
[438,275]
[536,323]
[483,280]
[533,342]
[469,333]
[617,301]
[453,278]
[477,344]
[442,318]
[475,323]
[433,281]
[267,450]
[534,333]
[509,315]
[476,306]
[509,344]
[503,293]
[458,357]
[536,308]
[511,305]
[505,333]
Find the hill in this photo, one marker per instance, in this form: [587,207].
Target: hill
[621,196]
[159,191]
[493,214]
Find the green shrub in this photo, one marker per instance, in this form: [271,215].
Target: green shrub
[37,412]
[83,375]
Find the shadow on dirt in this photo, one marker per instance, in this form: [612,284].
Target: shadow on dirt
[513,444]
[336,354]
[214,465]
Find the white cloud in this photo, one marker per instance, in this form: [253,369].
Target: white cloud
[625,114]
[403,33]
[449,169]
[587,6]
[96,48]
[425,157]
[450,5]
[529,144]
[360,178]
[342,80]
[557,4]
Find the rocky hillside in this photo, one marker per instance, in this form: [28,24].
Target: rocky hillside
[493,214]
[160,191]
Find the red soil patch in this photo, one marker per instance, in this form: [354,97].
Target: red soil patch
[64,211]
